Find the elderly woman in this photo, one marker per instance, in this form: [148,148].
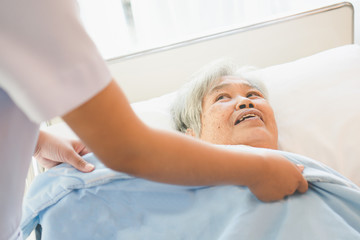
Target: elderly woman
[222,106]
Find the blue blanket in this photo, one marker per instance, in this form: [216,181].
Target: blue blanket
[106,204]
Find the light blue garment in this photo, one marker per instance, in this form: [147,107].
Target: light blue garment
[109,205]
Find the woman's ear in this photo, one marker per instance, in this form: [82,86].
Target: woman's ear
[190,132]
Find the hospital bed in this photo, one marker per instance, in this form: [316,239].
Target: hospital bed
[308,63]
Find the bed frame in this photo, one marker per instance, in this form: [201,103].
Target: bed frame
[165,69]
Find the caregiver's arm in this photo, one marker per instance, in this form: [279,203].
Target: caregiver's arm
[109,127]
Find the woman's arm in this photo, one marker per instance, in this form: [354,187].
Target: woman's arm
[110,128]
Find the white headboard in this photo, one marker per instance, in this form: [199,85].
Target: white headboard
[162,70]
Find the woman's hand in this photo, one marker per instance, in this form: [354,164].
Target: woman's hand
[52,150]
[278,178]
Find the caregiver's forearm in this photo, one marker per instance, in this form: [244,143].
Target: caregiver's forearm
[179,159]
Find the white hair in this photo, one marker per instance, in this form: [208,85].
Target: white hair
[187,108]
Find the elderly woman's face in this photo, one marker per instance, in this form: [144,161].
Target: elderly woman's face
[234,113]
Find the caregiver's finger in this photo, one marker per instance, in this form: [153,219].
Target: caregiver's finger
[303,186]
[79,163]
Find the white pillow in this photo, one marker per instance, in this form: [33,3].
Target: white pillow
[155,112]
[317,106]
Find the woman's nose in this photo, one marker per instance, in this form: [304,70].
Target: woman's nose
[244,103]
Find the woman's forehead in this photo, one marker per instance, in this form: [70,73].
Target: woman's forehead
[229,81]
[234,80]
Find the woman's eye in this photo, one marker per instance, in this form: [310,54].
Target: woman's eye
[254,94]
[220,97]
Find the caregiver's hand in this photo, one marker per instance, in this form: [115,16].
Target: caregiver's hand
[52,150]
[278,178]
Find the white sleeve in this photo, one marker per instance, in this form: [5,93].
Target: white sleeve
[48,63]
